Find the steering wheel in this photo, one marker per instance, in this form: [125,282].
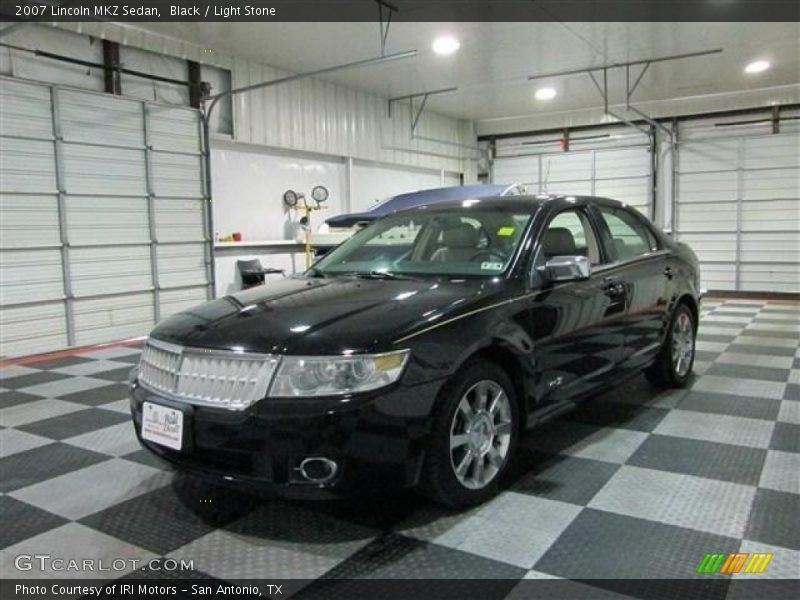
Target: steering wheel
[488,254]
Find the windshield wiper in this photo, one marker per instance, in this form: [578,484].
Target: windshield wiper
[380,275]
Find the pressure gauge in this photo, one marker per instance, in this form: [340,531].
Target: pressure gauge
[319,194]
[290,198]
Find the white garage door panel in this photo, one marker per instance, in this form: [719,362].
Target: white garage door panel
[173,301]
[712,246]
[93,118]
[20,338]
[770,215]
[178,219]
[569,188]
[708,216]
[707,187]
[25,110]
[772,152]
[766,276]
[96,170]
[771,247]
[716,155]
[627,162]
[771,183]
[28,221]
[177,175]
[113,318]
[182,265]
[567,166]
[110,270]
[174,129]
[99,220]
[30,275]
[522,169]
[760,177]
[635,192]
[27,166]
[717,277]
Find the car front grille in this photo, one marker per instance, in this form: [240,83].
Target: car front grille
[231,380]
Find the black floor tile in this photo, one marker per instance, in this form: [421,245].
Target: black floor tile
[792,392]
[59,363]
[45,462]
[130,358]
[394,556]
[120,375]
[706,356]
[753,349]
[748,372]
[23,381]
[600,545]
[145,457]
[13,398]
[773,519]
[713,337]
[703,459]
[172,516]
[729,404]
[99,395]
[785,437]
[22,521]
[74,423]
[774,333]
[558,477]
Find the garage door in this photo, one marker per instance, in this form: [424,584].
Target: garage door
[102,220]
[611,162]
[738,202]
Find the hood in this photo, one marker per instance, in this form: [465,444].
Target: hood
[323,316]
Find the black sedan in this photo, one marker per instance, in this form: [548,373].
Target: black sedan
[415,353]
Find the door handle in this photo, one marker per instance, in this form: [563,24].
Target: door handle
[668,272]
[613,286]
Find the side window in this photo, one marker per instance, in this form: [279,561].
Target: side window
[570,234]
[629,236]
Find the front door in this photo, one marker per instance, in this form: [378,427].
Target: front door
[577,325]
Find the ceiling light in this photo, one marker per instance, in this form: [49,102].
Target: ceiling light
[545,93]
[757,66]
[445,45]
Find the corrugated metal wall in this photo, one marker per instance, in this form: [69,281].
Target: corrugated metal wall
[313,115]
[101,216]
[610,162]
[738,202]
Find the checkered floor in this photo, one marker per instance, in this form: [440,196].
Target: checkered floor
[639,483]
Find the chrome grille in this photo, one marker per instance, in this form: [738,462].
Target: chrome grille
[232,380]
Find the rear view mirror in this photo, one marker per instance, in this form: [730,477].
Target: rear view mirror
[568,268]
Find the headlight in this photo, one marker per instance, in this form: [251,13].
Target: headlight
[329,375]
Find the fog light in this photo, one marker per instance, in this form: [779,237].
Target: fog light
[317,469]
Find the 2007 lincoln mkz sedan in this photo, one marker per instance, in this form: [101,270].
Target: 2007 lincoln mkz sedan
[415,353]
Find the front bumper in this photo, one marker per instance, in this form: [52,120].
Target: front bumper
[377,440]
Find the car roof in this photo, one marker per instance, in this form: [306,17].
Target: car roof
[523,203]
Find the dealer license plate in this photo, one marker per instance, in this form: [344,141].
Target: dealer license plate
[162,425]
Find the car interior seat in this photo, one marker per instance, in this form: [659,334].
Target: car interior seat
[460,244]
[558,241]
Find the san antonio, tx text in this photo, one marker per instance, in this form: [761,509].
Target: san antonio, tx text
[141,589]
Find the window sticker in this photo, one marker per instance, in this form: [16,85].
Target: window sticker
[491,266]
[505,231]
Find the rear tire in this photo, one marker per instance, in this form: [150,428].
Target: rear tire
[673,365]
[474,436]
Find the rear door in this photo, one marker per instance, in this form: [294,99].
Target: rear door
[577,325]
[641,266]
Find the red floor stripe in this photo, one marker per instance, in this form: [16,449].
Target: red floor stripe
[34,358]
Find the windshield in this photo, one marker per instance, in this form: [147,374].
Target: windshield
[468,240]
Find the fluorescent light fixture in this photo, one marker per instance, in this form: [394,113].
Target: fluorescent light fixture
[545,93]
[445,45]
[757,66]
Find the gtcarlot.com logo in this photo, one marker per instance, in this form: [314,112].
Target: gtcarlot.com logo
[47,562]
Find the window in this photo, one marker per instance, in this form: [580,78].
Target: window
[457,241]
[630,237]
[570,234]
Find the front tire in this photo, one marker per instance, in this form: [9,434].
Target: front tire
[673,366]
[474,436]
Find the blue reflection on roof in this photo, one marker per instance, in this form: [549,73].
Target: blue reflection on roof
[409,200]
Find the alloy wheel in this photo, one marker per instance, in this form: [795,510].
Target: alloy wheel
[480,434]
[682,344]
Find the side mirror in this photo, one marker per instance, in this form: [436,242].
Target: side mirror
[568,268]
